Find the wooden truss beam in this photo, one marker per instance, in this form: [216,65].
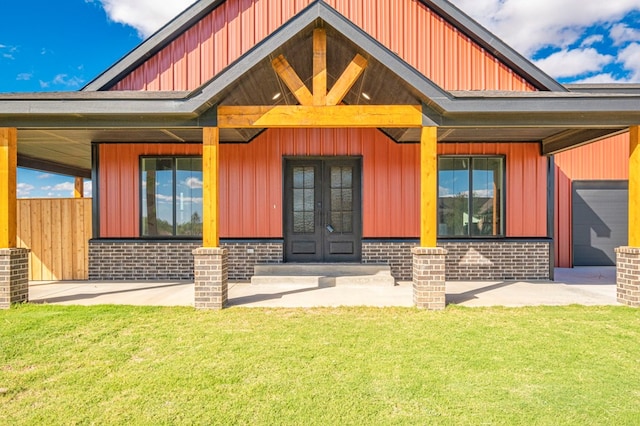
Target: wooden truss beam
[319,66]
[299,116]
[292,80]
[346,80]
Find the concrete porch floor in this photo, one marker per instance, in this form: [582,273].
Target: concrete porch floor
[583,286]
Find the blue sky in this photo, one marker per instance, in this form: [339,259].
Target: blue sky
[62,45]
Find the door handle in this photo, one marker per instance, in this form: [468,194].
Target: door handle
[319,214]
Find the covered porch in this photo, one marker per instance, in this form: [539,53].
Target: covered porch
[319,71]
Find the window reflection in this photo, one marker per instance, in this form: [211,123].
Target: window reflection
[470,196]
[171,196]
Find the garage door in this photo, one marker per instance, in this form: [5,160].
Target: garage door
[600,211]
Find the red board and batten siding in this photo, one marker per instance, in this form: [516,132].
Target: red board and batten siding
[251,182]
[409,28]
[604,160]
[119,184]
[526,183]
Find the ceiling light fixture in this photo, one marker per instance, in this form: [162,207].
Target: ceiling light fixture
[366,96]
[276,96]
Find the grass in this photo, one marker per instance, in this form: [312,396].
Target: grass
[140,365]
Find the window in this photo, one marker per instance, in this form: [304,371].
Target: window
[171,196]
[470,196]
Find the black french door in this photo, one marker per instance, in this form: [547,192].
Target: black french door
[323,210]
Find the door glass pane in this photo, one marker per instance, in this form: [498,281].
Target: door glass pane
[157,196]
[341,199]
[189,196]
[486,201]
[453,196]
[304,200]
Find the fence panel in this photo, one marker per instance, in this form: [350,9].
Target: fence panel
[57,231]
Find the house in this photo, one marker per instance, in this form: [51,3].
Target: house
[247,132]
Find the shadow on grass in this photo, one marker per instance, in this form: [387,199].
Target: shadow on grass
[263,297]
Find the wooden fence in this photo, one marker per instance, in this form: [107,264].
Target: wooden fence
[57,231]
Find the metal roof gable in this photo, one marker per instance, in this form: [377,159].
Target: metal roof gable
[448,11]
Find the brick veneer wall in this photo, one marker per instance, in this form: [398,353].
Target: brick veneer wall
[396,254]
[14,276]
[114,260]
[469,260]
[466,260]
[117,260]
[243,256]
[628,275]
[498,260]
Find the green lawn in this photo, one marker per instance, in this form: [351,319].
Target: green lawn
[134,365]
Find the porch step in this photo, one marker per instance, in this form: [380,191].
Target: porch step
[323,274]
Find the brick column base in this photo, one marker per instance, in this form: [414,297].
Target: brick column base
[428,277]
[14,276]
[628,275]
[211,277]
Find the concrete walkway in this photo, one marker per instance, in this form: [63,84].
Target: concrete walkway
[583,286]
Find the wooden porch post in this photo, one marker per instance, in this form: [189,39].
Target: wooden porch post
[634,186]
[8,202]
[210,190]
[628,258]
[210,261]
[428,187]
[14,262]
[78,188]
[428,259]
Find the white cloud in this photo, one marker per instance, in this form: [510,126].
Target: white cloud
[64,186]
[193,183]
[531,25]
[620,33]
[591,40]
[164,198]
[67,188]
[8,51]
[88,189]
[568,63]
[65,80]
[24,190]
[550,31]
[604,78]
[146,16]
[44,175]
[630,57]
[24,76]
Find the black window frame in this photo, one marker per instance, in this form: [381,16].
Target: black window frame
[503,198]
[174,161]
